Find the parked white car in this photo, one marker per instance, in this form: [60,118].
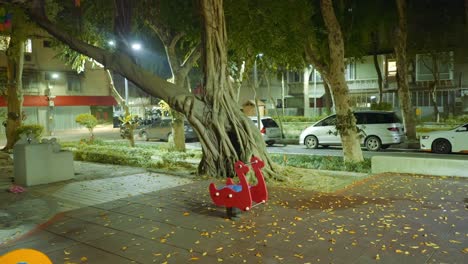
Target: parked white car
[454,140]
[269,129]
[378,130]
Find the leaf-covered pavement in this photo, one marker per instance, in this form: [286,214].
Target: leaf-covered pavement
[382,219]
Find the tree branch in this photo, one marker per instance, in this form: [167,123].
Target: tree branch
[118,62]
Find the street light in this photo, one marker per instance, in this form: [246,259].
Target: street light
[255,69]
[135,46]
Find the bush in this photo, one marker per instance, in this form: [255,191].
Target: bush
[322,163]
[457,120]
[34,131]
[302,118]
[120,154]
[88,121]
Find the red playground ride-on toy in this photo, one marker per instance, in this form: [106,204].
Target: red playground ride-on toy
[241,195]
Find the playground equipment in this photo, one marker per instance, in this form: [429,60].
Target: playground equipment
[241,195]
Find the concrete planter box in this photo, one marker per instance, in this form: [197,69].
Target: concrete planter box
[36,164]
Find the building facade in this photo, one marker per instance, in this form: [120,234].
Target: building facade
[286,91]
[54,93]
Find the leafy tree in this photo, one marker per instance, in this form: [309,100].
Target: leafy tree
[173,23]
[88,121]
[18,33]
[226,135]
[329,61]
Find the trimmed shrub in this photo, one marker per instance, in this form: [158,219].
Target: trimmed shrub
[322,163]
[88,121]
[34,131]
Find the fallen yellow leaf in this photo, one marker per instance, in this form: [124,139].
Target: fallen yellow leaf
[186,214]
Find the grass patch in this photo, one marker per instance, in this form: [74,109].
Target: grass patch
[314,179]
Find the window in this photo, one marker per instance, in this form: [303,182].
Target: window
[425,66]
[28,46]
[294,77]
[392,68]
[330,121]
[350,71]
[381,118]
[268,122]
[30,80]
[73,83]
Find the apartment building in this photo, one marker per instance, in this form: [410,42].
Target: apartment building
[286,91]
[54,93]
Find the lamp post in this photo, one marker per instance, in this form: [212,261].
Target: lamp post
[50,98]
[135,46]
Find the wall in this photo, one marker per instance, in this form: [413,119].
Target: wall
[366,69]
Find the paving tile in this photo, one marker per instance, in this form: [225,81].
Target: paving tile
[115,220]
[81,253]
[44,241]
[400,219]
[113,204]
[136,248]
[79,230]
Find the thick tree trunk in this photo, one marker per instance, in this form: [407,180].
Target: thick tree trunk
[121,102]
[375,46]
[379,77]
[14,93]
[327,98]
[435,83]
[228,135]
[346,123]
[178,133]
[404,93]
[225,134]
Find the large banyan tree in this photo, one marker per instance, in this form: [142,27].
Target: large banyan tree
[226,134]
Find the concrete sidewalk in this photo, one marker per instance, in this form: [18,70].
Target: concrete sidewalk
[382,219]
[93,184]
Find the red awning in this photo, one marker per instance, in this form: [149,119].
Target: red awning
[40,100]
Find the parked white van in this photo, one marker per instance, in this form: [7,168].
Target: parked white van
[378,130]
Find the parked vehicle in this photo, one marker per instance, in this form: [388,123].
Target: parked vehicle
[162,129]
[378,130]
[443,142]
[269,129]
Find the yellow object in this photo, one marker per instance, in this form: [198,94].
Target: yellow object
[26,256]
[418,111]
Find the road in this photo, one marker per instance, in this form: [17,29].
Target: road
[109,133]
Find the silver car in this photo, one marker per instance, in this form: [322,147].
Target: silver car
[269,129]
[162,129]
